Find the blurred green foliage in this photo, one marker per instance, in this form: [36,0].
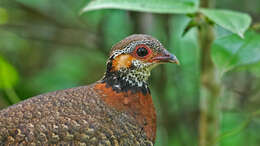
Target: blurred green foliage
[46,45]
[232,51]
[155,6]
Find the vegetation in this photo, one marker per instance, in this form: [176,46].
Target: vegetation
[212,98]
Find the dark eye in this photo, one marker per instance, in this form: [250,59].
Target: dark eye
[142,51]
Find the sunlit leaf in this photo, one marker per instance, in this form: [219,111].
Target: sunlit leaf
[235,22]
[155,6]
[232,51]
[8,74]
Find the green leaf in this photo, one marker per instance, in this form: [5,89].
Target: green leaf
[8,74]
[232,51]
[153,6]
[8,78]
[235,22]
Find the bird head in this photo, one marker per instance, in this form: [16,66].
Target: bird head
[131,61]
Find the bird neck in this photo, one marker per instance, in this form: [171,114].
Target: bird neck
[127,79]
[138,105]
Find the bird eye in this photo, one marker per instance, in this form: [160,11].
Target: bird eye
[142,51]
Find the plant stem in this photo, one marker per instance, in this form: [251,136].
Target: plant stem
[210,85]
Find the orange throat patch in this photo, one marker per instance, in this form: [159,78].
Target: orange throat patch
[122,61]
[138,105]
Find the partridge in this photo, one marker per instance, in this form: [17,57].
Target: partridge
[116,110]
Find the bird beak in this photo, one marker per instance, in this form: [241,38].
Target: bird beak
[166,57]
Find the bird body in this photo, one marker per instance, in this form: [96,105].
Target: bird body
[83,119]
[116,110]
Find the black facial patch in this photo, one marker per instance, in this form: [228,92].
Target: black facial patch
[116,80]
[109,66]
